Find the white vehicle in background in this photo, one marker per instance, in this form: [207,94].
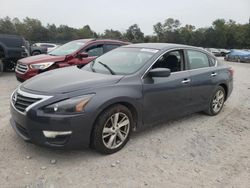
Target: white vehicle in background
[49,46]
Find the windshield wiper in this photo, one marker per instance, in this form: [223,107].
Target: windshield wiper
[107,67]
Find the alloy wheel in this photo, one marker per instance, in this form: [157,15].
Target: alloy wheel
[116,130]
[218,101]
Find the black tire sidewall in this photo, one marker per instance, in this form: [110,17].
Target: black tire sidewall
[97,141]
[1,66]
[36,53]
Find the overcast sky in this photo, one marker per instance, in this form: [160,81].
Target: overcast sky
[120,14]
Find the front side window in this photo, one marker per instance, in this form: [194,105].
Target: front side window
[197,59]
[96,50]
[121,61]
[172,60]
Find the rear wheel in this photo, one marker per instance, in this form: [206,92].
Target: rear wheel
[36,53]
[238,59]
[216,102]
[1,67]
[112,129]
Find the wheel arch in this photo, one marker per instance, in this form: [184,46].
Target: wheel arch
[225,87]
[126,103]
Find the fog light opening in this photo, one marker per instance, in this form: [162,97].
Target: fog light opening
[54,134]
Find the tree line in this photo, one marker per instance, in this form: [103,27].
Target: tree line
[221,34]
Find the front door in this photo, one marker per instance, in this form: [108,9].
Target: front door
[167,97]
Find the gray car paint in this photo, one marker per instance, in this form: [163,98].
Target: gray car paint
[150,99]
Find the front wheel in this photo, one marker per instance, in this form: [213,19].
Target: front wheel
[216,102]
[112,129]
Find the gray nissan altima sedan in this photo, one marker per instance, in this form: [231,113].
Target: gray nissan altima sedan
[124,90]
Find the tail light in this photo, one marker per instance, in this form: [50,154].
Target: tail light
[231,71]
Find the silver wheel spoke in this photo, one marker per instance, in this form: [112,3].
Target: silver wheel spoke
[107,130]
[111,141]
[115,119]
[120,135]
[124,123]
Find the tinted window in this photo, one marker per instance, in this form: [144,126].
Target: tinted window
[172,60]
[96,50]
[197,59]
[111,47]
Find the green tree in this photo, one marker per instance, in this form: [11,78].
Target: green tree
[134,34]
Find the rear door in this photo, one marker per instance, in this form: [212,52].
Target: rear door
[202,73]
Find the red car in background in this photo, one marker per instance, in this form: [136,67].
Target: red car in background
[77,52]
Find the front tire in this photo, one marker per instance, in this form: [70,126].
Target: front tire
[112,129]
[216,102]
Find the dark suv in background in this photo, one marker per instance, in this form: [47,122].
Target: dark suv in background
[77,52]
[12,48]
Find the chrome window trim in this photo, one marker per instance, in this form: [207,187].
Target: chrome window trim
[216,62]
[18,90]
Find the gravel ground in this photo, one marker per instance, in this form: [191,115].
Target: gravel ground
[195,151]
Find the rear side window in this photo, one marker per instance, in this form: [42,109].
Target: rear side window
[110,47]
[95,50]
[197,59]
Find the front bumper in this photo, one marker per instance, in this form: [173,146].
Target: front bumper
[31,126]
[27,75]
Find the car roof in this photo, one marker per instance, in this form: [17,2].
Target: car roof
[101,40]
[158,46]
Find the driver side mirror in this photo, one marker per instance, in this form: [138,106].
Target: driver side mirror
[159,72]
[82,55]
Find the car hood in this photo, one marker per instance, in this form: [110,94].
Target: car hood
[69,79]
[43,58]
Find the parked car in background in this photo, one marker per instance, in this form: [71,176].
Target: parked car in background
[214,51]
[224,52]
[12,48]
[238,56]
[126,89]
[49,46]
[77,52]
[37,50]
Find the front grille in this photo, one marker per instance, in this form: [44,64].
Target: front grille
[21,68]
[21,102]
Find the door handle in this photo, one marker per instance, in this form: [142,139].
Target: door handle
[185,81]
[214,74]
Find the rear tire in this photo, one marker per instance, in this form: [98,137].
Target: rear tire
[216,101]
[36,53]
[112,129]
[1,67]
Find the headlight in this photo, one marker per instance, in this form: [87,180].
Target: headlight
[72,105]
[41,66]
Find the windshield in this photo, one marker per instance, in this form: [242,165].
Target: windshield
[67,48]
[121,61]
